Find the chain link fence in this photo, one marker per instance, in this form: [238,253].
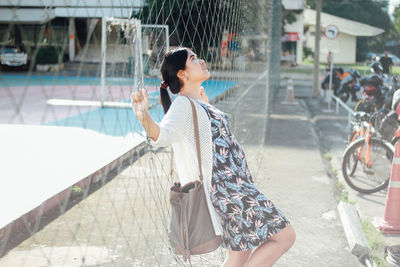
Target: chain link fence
[80,185]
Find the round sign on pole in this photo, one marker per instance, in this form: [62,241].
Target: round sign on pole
[331,32]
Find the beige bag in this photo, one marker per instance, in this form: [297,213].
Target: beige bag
[191,229]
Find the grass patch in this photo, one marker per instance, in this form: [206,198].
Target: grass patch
[362,68]
[340,185]
[334,171]
[344,196]
[376,242]
[298,70]
[76,189]
[328,156]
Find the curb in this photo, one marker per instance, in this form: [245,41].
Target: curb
[353,230]
[348,213]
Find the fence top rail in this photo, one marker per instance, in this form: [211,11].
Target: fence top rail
[340,102]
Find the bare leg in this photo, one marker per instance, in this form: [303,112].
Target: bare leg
[236,258]
[270,251]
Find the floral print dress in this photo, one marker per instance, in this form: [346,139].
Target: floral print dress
[247,216]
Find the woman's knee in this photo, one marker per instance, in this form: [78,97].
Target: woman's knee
[237,258]
[291,236]
[286,237]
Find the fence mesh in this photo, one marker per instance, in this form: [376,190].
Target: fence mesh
[80,185]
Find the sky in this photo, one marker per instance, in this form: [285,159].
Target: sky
[392,5]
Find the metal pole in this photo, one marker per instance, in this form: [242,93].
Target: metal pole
[167,36]
[140,48]
[330,85]
[337,107]
[316,49]
[166,27]
[103,59]
[71,37]
[349,120]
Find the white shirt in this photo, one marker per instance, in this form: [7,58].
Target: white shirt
[176,129]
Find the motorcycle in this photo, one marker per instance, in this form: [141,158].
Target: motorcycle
[377,94]
[349,86]
[389,126]
[336,79]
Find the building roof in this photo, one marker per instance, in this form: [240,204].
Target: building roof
[40,11]
[347,26]
[26,15]
[293,4]
[72,3]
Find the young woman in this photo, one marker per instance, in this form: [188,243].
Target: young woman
[247,220]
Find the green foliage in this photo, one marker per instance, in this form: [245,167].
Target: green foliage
[340,185]
[47,55]
[76,189]
[365,11]
[396,18]
[375,241]
[192,23]
[307,52]
[289,18]
[334,171]
[345,197]
[328,156]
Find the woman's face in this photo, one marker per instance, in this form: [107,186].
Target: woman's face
[196,69]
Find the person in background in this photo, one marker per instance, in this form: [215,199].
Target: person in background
[329,58]
[386,62]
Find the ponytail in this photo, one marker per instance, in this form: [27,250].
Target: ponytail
[174,60]
[164,96]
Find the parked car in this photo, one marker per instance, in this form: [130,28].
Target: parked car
[370,56]
[12,56]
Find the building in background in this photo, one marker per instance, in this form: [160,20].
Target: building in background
[343,45]
[299,35]
[292,36]
[60,23]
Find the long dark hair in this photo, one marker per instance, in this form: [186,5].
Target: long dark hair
[174,60]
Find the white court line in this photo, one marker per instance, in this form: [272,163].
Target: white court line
[251,86]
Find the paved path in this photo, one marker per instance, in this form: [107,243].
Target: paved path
[291,172]
[333,132]
[123,223]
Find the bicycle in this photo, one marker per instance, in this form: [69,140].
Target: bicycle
[367,160]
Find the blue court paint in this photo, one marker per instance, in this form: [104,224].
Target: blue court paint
[120,122]
[10,80]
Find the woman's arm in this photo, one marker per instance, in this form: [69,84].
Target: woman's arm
[172,127]
[140,106]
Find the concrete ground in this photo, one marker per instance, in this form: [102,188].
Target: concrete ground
[124,223]
[332,131]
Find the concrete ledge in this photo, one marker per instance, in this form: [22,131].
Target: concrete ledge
[353,230]
[33,221]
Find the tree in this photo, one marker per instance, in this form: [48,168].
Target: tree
[369,12]
[396,18]
[193,23]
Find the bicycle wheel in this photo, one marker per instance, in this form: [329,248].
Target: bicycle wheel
[344,96]
[365,106]
[361,177]
[358,104]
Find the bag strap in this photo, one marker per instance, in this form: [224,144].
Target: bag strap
[197,139]
[196,136]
